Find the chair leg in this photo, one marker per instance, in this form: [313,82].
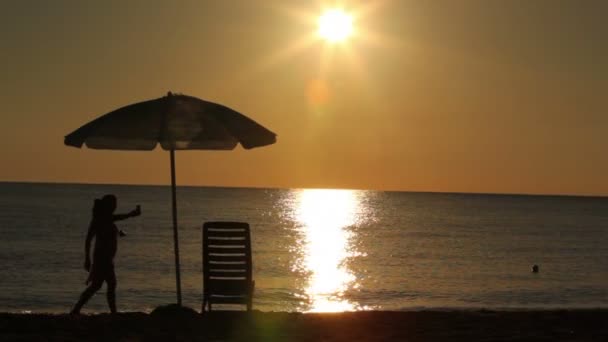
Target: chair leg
[250,295]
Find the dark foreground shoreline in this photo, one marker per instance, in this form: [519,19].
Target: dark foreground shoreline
[559,325]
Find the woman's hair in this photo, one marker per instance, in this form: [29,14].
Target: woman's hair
[109,203]
[98,208]
[104,206]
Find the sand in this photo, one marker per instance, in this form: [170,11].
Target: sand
[575,325]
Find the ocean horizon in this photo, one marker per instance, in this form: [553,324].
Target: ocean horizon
[308,188]
[315,250]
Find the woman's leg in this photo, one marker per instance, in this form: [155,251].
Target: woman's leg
[86,295]
[111,290]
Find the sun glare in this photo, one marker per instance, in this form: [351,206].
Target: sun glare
[326,216]
[335,25]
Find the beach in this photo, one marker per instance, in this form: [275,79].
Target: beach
[481,325]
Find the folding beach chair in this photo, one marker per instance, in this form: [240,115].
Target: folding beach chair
[227,264]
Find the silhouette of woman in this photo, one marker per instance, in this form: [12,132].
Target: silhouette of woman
[104,230]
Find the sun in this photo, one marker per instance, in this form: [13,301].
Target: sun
[335,25]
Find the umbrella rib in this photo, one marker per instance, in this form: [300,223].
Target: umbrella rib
[162,132]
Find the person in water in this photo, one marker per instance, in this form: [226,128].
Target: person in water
[103,229]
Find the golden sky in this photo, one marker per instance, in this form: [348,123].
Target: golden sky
[465,96]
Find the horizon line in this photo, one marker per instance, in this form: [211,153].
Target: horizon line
[306,188]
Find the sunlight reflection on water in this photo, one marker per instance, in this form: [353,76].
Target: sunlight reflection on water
[324,218]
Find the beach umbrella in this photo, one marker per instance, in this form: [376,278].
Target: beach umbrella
[177,122]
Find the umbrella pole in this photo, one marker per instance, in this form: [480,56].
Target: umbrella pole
[175,240]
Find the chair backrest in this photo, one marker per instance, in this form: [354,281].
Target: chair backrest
[227,267]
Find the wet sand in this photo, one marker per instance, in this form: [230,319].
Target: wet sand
[575,325]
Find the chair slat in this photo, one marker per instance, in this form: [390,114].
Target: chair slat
[228,272]
[226,225]
[226,257]
[214,273]
[227,234]
[227,250]
[212,263]
[213,247]
[214,240]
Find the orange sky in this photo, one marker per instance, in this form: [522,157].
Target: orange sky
[466,96]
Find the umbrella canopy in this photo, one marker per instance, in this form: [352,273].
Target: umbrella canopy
[177,122]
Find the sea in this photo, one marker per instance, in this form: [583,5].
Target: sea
[314,250]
